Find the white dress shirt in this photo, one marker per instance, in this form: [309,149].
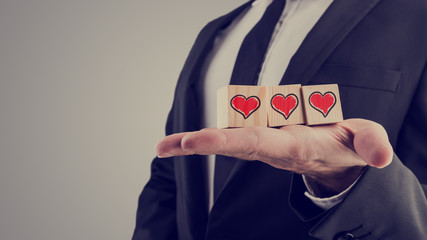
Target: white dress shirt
[297,19]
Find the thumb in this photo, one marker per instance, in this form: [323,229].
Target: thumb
[370,142]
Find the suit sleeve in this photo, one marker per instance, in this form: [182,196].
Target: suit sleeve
[387,203]
[156,214]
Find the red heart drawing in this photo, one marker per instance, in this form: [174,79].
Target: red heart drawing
[245,106]
[284,105]
[323,102]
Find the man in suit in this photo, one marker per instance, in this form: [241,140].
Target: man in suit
[362,178]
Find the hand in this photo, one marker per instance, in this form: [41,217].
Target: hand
[331,157]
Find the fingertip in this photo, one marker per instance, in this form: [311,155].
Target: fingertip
[205,141]
[162,149]
[372,144]
[159,148]
[188,142]
[164,155]
[170,146]
[381,158]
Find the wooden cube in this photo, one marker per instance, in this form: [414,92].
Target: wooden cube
[322,104]
[241,106]
[285,105]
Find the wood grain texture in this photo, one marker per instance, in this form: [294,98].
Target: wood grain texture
[241,106]
[285,105]
[322,104]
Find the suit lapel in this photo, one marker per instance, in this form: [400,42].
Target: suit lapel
[190,75]
[338,20]
[237,167]
[191,170]
[205,41]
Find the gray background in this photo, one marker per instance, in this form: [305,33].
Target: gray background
[85,87]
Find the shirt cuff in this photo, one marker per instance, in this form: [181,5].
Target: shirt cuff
[329,202]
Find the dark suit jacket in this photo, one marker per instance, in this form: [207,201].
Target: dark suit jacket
[376,50]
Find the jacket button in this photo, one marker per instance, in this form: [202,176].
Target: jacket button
[346,236]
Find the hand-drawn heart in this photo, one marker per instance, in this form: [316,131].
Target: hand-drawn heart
[322,102]
[284,105]
[245,106]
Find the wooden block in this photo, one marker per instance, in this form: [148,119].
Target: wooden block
[322,104]
[241,106]
[285,105]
